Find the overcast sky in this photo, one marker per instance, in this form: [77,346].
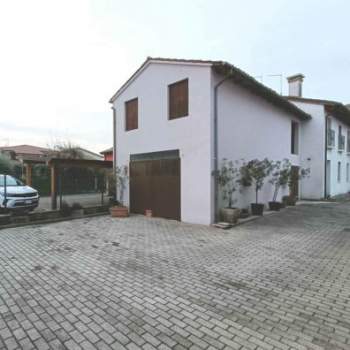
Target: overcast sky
[61,61]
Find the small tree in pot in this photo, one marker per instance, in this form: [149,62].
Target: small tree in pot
[121,179]
[290,200]
[255,172]
[227,178]
[280,178]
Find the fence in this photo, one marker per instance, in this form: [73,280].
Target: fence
[82,182]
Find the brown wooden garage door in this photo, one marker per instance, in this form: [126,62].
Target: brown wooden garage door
[155,185]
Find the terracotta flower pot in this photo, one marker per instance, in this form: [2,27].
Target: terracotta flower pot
[149,213]
[230,215]
[119,211]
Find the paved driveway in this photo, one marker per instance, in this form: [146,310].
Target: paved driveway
[278,283]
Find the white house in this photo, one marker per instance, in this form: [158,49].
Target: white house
[325,141]
[175,120]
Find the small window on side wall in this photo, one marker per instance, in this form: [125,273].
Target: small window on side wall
[294,137]
[178,99]
[131,114]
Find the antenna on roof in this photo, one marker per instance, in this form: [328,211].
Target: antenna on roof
[281,81]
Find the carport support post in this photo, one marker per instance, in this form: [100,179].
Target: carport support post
[53,169]
[60,180]
[28,174]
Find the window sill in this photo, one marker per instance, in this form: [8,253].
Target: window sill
[183,116]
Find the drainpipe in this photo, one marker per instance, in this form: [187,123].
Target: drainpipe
[216,146]
[114,139]
[114,145]
[325,156]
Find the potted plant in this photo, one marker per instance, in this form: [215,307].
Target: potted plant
[119,210]
[256,171]
[65,209]
[291,200]
[244,213]
[227,178]
[280,178]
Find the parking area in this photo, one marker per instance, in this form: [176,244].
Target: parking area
[281,282]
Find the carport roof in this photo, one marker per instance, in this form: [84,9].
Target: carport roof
[229,70]
[83,163]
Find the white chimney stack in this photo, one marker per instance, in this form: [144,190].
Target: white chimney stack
[295,83]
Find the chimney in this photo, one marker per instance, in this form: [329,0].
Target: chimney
[295,83]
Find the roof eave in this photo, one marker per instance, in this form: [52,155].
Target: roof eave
[259,89]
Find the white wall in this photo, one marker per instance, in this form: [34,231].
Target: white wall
[335,156]
[249,128]
[191,135]
[313,151]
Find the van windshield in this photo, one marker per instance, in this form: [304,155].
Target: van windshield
[10,181]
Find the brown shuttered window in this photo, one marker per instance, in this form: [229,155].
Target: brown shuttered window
[178,99]
[131,114]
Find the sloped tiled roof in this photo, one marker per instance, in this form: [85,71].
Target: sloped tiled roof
[335,108]
[108,150]
[228,70]
[26,149]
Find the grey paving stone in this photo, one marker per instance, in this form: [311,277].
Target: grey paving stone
[280,282]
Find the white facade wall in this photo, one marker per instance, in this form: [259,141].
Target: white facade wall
[249,128]
[334,155]
[312,139]
[191,135]
[313,156]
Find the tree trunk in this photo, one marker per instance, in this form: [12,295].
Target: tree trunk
[277,187]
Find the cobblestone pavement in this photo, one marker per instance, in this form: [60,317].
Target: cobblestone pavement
[281,282]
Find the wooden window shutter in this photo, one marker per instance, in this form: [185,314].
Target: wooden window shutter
[131,114]
[178,99]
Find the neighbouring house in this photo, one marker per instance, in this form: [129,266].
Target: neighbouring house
[108,154]
[325,143]
[26,152]
[175,120]
[26,156]
[86,154]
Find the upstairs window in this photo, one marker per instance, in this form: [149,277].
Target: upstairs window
[294,138]
[330,134]
[341,139]
[178,99]
[131,114]
[339,172]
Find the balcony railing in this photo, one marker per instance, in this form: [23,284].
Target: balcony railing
[341,142]
[330,138]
